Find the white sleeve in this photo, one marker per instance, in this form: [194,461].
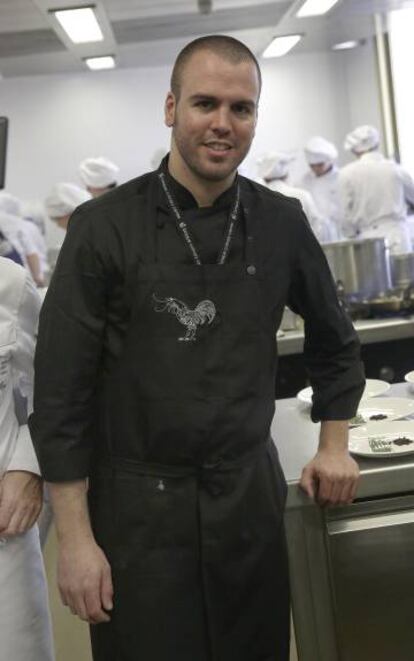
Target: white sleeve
[24,457]
[321,226]
[408,185]
[346,202]
[26,242]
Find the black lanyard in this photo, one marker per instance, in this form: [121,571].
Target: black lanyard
[183,228]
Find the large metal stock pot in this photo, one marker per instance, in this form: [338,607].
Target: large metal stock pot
[402,270]
[360,268]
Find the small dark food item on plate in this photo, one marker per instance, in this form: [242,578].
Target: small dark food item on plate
[357,420]
[402,441]
[378,416]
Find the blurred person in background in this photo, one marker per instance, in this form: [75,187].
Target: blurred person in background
[99,175]
[25,629]
[23,235]
[33,212]
[321,180]
[62,202]
[9,251]
[375,192]
[273,170]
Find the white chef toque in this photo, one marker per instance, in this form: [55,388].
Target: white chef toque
[274,165]
[10,204]
[98,172]
[319,150]
[64,198]
[363,138]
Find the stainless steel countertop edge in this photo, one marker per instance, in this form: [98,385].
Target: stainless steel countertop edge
[296,438]
[369,331]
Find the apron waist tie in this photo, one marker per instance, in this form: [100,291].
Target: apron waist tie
[209,475]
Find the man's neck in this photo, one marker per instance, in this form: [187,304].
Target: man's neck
[205,192]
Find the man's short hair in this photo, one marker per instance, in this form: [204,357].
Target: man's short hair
[228,48]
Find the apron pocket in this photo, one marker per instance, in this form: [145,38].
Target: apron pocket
[147,523]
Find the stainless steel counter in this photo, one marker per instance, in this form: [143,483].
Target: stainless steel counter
[350,567]
[296,438]
[369,331]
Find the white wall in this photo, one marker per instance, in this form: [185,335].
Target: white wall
[300,98]
[360,79]
[324,93]
[55,121]
[401,26]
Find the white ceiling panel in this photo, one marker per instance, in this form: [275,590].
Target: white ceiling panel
[19,15]
[151,32]
[187,25]
[124,9]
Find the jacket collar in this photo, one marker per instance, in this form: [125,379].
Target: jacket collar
[372,156]
[184,199]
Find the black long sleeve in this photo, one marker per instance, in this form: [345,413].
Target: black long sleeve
[332,347]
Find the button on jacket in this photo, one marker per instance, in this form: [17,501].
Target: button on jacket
[155,377]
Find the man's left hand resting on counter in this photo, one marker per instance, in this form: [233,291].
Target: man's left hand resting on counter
[331,477]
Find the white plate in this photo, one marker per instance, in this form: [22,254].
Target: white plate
[376,440]
[391,407]
[373,388]
[410,380]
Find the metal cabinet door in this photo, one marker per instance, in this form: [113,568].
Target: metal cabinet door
[372,573]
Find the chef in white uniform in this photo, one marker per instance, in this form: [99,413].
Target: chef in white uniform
[33,212]
[25,630]
[99,175]
[374,192]
[62,202]
[22,234]
[273,171]
[321,180]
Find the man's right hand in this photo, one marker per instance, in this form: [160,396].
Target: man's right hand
[84,580]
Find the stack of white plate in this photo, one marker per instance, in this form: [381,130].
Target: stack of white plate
[410,380]
[373,388]
[377,430]
[382,409]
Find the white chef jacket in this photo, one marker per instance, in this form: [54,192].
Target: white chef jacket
[374,192]
[25,629]
[325,192]
[37,240]
[16,231]
[322,227]
[410,220]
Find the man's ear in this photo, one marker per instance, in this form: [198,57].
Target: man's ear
[169,109]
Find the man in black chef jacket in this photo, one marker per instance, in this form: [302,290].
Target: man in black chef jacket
[155,369]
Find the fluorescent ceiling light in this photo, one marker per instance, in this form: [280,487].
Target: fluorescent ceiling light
[345,45]
[98,63]
[315,7]
[281,45]
[79,24]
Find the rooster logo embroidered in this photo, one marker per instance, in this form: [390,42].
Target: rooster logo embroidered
[191,319]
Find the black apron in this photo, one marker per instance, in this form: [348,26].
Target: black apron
[187,497]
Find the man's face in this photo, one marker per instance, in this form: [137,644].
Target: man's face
[214,119]
[320,168]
